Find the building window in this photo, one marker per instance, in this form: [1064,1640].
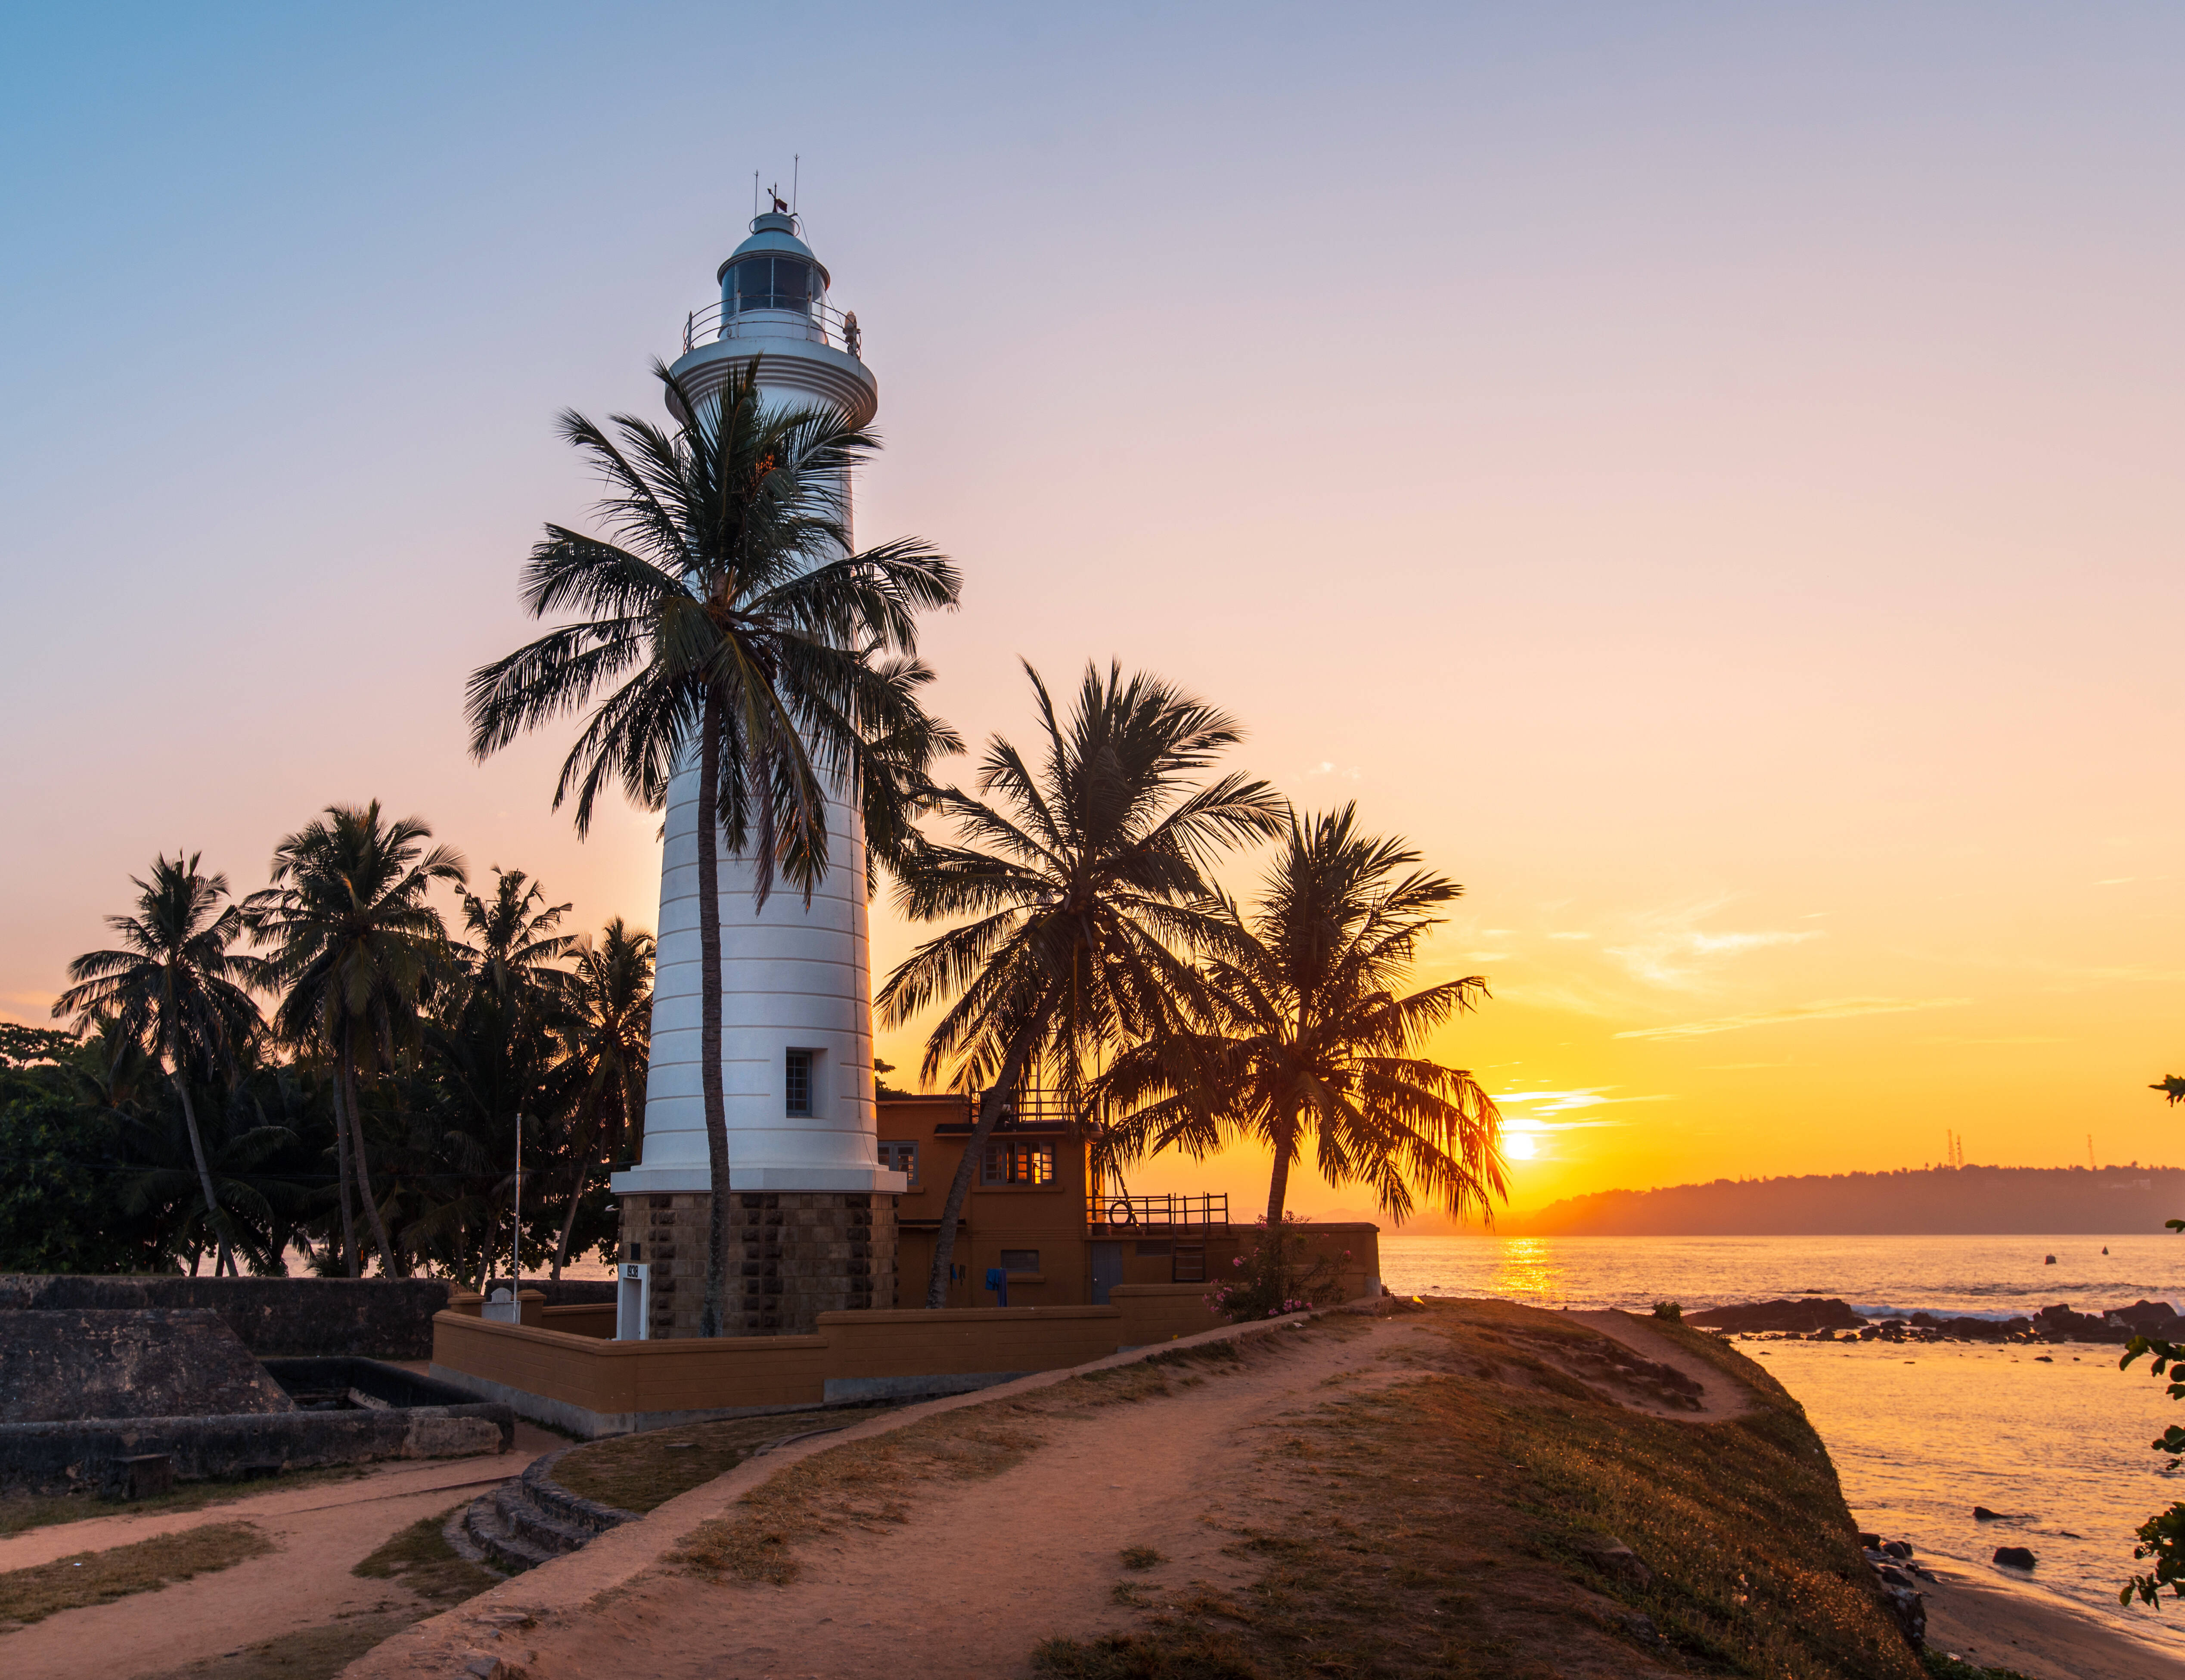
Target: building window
[796,1081]
[1188,1264]
[901,1157]
[1018,1163]
[1020,1259]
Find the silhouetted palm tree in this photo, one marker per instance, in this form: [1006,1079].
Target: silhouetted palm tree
[722,621]
[611,1043]
[177,986]
[1302,1033]
[358,947]
[514,949]
[517,998]
[1077,878]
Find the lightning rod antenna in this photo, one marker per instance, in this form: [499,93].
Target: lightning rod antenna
[754,195]
[796,168]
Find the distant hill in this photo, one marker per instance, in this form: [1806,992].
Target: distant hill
[1932,1202]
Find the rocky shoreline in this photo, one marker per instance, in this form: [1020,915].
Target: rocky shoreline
[1825,1319]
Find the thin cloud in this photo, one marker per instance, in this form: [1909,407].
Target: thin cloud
[1827,1009]
[1570,936]
[1561,1102]
[1668,948]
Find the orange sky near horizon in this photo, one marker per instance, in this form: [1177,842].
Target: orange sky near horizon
[1709,482]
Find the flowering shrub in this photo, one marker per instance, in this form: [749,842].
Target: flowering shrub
[1283,1274]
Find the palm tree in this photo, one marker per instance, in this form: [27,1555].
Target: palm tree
[176,986]
[516,990]
[610,1042]
[1076,877]
[723,622]
[358,947]
[1302,1033]
[517,947]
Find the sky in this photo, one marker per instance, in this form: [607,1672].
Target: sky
[1707,475]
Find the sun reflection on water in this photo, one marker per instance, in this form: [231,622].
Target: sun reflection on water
[1528,1271]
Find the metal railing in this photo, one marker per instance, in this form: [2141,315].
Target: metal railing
[1168,1211]
[817,322]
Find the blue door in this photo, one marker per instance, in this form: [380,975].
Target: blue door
[1107,1270]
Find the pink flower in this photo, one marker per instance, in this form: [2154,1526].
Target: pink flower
[1239,1261]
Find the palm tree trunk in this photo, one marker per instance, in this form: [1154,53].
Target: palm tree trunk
[1273,1264]
[363,1165]
[1278,1185]
[197,1143]
[999,1096]
[709,1018]
[341,1163]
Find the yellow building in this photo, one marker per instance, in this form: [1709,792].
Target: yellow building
[1036,1217]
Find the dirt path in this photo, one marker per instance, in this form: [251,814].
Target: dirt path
[319,1532]
[1723,1399]
[969,1574]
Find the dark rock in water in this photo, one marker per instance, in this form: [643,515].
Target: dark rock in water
[1982,1514]
[2050,1261]
[1871,1542]
[1613,1558]
[2149,1318]
[1898,1548]
[1824,1313]
[62,1366]
[2061,1322]
[2014,1557]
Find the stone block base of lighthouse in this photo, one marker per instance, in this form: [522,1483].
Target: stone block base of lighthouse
[792,1256]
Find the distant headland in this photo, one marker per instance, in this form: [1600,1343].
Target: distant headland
[1932,1202]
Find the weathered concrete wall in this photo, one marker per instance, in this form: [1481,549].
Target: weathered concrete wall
[63,1365]
[362,1318]
[421,1420]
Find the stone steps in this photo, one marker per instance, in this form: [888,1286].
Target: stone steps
[529,1521]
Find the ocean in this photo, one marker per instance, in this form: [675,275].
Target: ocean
[1919,1434]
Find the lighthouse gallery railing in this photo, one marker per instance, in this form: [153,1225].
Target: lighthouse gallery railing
[817,322]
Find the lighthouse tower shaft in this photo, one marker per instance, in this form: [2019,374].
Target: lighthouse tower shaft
[811,1212]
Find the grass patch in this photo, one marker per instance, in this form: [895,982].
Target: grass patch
[313,1653]
[867,1484]
[28,1595]
[1192,1653]
[20,1513]
[421,1560]
[1451,1524]
[1141,1557]
[642,1472]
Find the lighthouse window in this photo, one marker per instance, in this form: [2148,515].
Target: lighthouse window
[797,1082]
[771,282]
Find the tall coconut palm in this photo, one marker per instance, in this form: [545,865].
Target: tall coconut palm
[611,1043]
[177,986]
[1076,876]
[1304,1035]
[514,951]
[722,620]
[515,988]
[357,945]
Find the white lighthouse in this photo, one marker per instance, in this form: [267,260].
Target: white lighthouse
[812,1212]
